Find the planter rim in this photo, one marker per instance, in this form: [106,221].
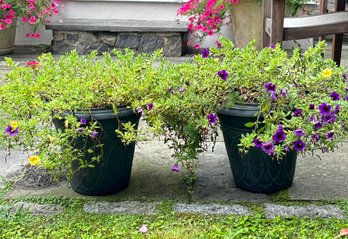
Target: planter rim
[102,113]
[241,110]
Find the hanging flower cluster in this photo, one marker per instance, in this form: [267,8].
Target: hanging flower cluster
[32,12]
[205,17]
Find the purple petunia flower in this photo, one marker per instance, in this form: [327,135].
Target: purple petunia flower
[273,95]
[270,87]
[315,137]
[181,90]
[187,83]
[324,108]
[345,76]
[287,148]
[176,168]
[298,112]
[335,96]
[94,134]
[311,106]
[330,135]
[299,132]
[317,125]
[211,118]
[312,118]
[299,145]
[329,119]
[223,74]
[257,143]
[83,121]
[80,130]
[150,106]
[283,92]
[140,110]
[171,89]
[337,110]
[268,148]
[272,45]
[279,135]
[205,53]
[11,132]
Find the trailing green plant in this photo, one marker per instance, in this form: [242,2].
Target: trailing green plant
[34,96]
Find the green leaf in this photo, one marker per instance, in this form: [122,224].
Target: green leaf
[250,124]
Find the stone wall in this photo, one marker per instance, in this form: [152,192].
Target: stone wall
[85,42]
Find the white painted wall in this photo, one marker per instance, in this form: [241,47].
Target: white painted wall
[113,9]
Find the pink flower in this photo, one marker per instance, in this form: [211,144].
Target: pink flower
[143,228]
[235,1]
[32,20]
[24,19]
[38,35]
[33,64]
[222,7]
[42,13]
[8,21]
[12,12]
[2,26]
[196,46]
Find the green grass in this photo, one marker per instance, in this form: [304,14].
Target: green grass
[75,223]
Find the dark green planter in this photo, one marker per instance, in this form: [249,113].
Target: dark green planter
[254,171]
[112,173]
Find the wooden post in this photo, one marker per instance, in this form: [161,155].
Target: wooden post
[338,38]
[278,12]
[266,13]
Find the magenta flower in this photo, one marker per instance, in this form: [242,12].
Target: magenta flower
[94,134]
[205,53]
[299,145]
[268,148]
[299,132]
[176,168]
[83,121]
[10,131]
[270,87]
[211,118]
[257,143]
[279,135]
[298,112]
[223,74]
[150,106]
[330,135]
[324,108]
[335,96]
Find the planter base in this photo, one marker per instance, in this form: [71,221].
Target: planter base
[255,171]
[7,40]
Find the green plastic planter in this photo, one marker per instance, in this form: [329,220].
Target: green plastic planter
[255,171]
[112,173]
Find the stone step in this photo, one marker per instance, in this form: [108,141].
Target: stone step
[102,35]
[117,25]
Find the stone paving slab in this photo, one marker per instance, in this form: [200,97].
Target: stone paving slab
[126,207]
[207,209]
[13,165]
[321,179]
[310,211]
[152,178]
[37,209]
